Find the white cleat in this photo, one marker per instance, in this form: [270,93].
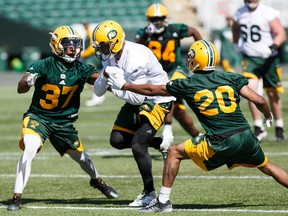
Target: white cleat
[95,101]
[143,199]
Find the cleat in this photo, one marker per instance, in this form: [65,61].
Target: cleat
[157,206]
[260,133]
[143,199]
[279,132]
[107,190]
[15,204]
[167,140]
[95,101]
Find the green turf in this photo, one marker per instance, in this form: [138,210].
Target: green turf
[57,186]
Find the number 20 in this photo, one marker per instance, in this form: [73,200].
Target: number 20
[204,107]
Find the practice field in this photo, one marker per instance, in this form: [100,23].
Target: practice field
[57,185]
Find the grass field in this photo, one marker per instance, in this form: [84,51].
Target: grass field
[57,186]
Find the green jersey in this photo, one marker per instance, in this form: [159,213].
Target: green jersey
[166,45]
[214,98]
[56,97]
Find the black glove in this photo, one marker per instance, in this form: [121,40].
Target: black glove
[274,49]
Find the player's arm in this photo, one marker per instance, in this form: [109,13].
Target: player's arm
[278,31]
[26,82]
[257,99]
[236,31]
[146,89]
[23,86]
[92,78]
[194,33]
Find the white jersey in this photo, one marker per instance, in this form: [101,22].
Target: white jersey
[140,67]
[256,34]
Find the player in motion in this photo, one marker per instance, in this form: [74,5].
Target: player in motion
[214,97]
[58,82]
[165,42]
[140,117]
[258,32]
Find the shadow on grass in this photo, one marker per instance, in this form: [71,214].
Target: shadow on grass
[65,201]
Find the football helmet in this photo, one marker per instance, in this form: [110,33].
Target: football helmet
[65,37]
[157,17]
[202,55]
[107,39]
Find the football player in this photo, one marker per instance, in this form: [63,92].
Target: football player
[164,40]
[258,32]
[140,117]
[214,96]
[58,81]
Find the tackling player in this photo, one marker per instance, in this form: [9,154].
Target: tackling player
[214,97]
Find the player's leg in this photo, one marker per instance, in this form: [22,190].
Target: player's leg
[140,145]
[185,119]
[83,159]
[276,172]
[31,144]
[259,130]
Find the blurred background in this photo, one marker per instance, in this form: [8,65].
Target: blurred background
[26,23]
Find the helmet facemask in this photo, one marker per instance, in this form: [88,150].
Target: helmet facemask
[103,51]
[66,43]
[158,24]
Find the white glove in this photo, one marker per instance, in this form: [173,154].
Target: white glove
[31,79]
[150,29]
[116,81]
[116,77]
[268,122]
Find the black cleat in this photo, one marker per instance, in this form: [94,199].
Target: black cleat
[279,133]
[106,189]
[259,133]
[15,204]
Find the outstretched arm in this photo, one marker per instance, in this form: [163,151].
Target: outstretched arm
[258,100]
[147,89]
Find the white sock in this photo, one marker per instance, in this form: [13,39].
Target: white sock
[259,123]
[32,144]
[164,194]
[167,130]
[279,123]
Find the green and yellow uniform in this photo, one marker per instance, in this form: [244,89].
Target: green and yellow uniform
[55,102]
[214,98]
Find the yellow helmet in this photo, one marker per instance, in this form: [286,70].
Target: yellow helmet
[107,39]
[64,37]
[202,55]
[156,10]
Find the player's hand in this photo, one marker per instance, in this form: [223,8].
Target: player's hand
[116,77]
[273,48]
[150,29]
[31,79]
[268,121]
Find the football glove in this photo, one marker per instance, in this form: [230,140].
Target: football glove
[150,29]
[31,79]
[116,77]
[268,121]
[274,49]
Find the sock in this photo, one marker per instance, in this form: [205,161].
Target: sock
[167,130]
[259,123]
[279,123]
[164,194]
